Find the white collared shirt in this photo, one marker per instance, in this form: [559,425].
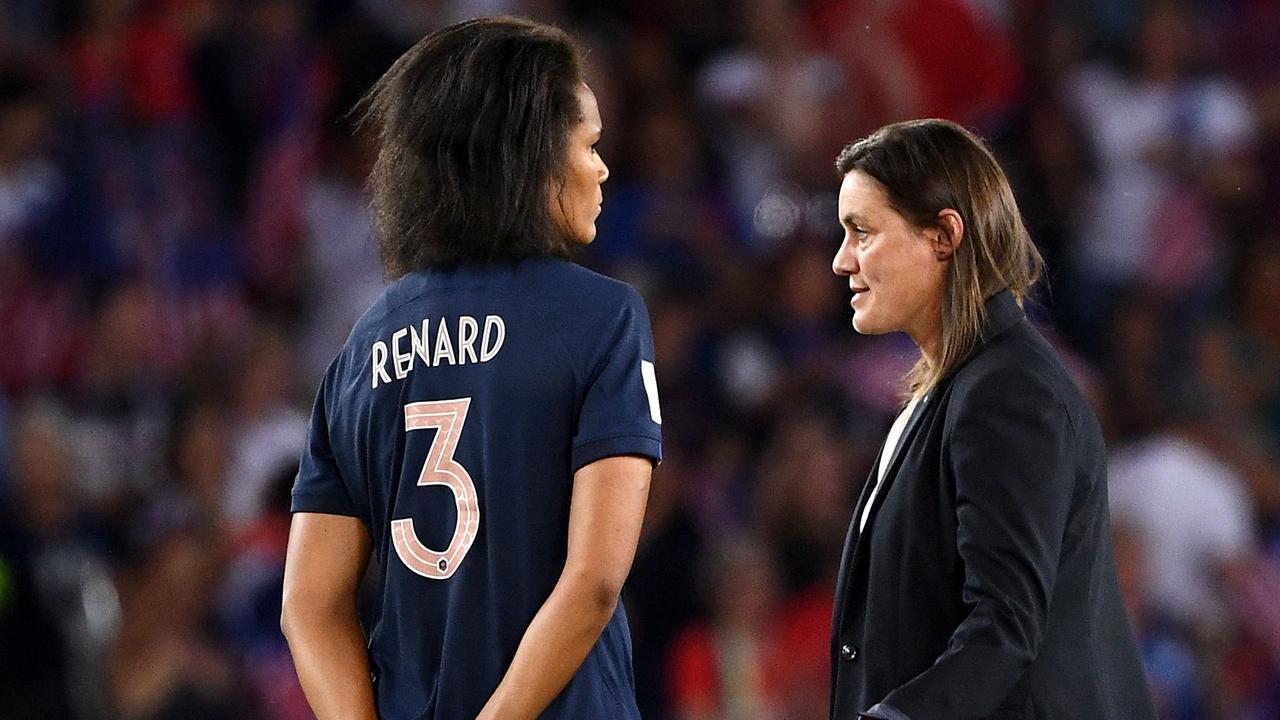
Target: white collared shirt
[886,456]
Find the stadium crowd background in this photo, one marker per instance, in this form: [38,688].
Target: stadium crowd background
[184,244]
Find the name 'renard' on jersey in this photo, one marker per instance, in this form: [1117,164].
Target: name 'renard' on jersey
[407,344]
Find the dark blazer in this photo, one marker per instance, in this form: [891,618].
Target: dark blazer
[984,584]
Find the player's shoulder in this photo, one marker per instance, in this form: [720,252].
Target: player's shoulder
[589,312]
[372,318]
[377,321]
[578,298]
[573,283]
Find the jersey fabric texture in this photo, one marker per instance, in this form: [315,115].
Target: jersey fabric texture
[451,424]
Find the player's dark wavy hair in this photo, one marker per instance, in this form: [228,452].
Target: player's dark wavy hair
[473,123]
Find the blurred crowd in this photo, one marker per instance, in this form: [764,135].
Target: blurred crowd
[185,242]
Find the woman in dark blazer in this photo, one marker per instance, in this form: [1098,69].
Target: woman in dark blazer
[978,579]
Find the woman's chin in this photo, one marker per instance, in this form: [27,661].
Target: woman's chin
[865,325]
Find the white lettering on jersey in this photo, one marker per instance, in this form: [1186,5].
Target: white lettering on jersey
[407,348]
[402,361]
[420,342]
[380,363]
[490,345]
[650,378]
[468,329]
[444,345]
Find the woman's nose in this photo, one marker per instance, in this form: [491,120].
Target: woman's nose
[844,263]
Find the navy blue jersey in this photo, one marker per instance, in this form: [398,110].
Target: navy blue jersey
[451,424]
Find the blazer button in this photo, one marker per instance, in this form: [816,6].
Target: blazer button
[848,652]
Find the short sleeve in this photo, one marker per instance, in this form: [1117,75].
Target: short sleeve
[620,412]
[319,487]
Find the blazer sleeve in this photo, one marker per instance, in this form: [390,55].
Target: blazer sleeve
[1011,450]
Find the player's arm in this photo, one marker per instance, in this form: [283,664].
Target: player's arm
[326,559]
[605,515]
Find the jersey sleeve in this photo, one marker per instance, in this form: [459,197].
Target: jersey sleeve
[620,412]
[319,487]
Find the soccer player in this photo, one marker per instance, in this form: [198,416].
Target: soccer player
[490,426]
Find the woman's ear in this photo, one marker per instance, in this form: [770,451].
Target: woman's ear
[949,235]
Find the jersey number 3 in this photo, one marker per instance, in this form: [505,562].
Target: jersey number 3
[446,417]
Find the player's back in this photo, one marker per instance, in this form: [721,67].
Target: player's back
[452,423]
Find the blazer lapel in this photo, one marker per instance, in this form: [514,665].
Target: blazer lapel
[846,558]
[895,461]
[851,537]
[904,440]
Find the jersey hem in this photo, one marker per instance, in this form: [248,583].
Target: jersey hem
[307,502]
[644,445]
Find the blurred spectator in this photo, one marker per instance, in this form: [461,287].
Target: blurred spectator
[722,669]
[41,315]
[802,654]
[28,180]
[666,226]
[777,98]
[804,498]
[269,426]
[260,80]
[59,608]
[121,399]
[1252,32]
[162,664]
[248,606]
[921,58]
[33,666]
[340,254]
[1240,381]
[762,652]
[1193,513]
[1139,364]
[1163,133]
[1169,659]
[663,592]
[200,450]
[1259,296]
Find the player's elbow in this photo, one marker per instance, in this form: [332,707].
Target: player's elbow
[297,613]
[604,597]
[286,618]
[289,620]
[597,591]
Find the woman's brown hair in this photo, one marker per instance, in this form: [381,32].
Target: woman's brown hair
[925,167]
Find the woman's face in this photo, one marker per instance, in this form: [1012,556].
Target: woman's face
[894,269]
[575,204]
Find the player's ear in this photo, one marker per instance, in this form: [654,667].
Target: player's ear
[947,235]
